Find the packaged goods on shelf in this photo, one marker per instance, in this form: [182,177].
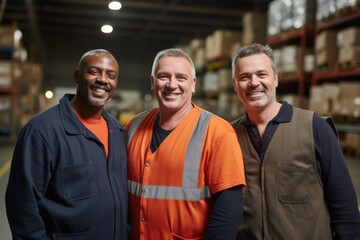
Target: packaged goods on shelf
[348,41]
[346,110]
[10,37]
[348,104]
[254,28]
[4,123]
[325,40]
[326,50]
[352,140]
[349,89]
[5,80]
[289,59]
[325,9]
[5,67]
[348,37]
[349,57]
[9,72]
[235,48]
[322,98]
[223,104]
[224,78]
[277,58]
[331,91]
[293,99]
[218,45]
[199,58]
[211,82]
[4,103]
[309,62]
[194,46]
[237,109]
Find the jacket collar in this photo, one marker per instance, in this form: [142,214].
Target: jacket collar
[71,122]
[284,115]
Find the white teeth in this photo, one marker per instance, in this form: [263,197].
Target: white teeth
[99,90]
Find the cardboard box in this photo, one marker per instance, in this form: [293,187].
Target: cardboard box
[319,106]
[5,67]
[349,55]
[289,59]
[325,40]
[348,37]
[222,43]
[254,28]
[330,91]
[326,58]
[349,90]
[5,80]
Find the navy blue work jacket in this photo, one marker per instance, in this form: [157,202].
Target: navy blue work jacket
[61,184]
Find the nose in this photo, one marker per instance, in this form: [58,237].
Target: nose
[172,83]
[102,77]
[254,82]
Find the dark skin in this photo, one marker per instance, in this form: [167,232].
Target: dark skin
[96,80]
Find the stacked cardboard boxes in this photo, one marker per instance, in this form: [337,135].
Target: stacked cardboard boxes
[348,42]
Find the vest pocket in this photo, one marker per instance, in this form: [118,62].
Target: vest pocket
[293,185]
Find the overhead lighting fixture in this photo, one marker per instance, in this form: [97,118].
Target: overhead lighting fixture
[106,28]
[115,5]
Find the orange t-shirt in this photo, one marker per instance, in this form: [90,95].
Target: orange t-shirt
[99,128]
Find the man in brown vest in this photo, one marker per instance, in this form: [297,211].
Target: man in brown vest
[298,184]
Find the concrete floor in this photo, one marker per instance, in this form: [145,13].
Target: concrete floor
[5,159]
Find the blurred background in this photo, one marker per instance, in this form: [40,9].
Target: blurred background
[316,45]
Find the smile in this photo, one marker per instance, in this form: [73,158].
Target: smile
[171,94]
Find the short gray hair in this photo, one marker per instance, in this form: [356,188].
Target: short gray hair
[172,52]
[253,49]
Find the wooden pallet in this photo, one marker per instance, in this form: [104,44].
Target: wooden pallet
[347,65]
[326,67]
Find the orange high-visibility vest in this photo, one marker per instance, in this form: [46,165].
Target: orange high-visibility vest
[170,190]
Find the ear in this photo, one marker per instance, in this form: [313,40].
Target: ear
[234,85]
[76,76]
[276,79]
[193,87]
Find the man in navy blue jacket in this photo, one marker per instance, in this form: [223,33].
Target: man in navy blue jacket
[68,178]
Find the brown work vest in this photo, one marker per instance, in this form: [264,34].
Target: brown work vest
[284,196]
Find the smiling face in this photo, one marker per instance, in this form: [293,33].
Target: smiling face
[96,79]
[173,84]
[255,82]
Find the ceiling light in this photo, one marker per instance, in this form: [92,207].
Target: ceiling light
[49,94]
[115,5]
[106,28]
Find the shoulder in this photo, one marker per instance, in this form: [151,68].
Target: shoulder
[45,118]
[217,124]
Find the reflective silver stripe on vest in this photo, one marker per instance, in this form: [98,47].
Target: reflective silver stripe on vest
[193,152]
[189,190]
[136,123]
[168,192]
